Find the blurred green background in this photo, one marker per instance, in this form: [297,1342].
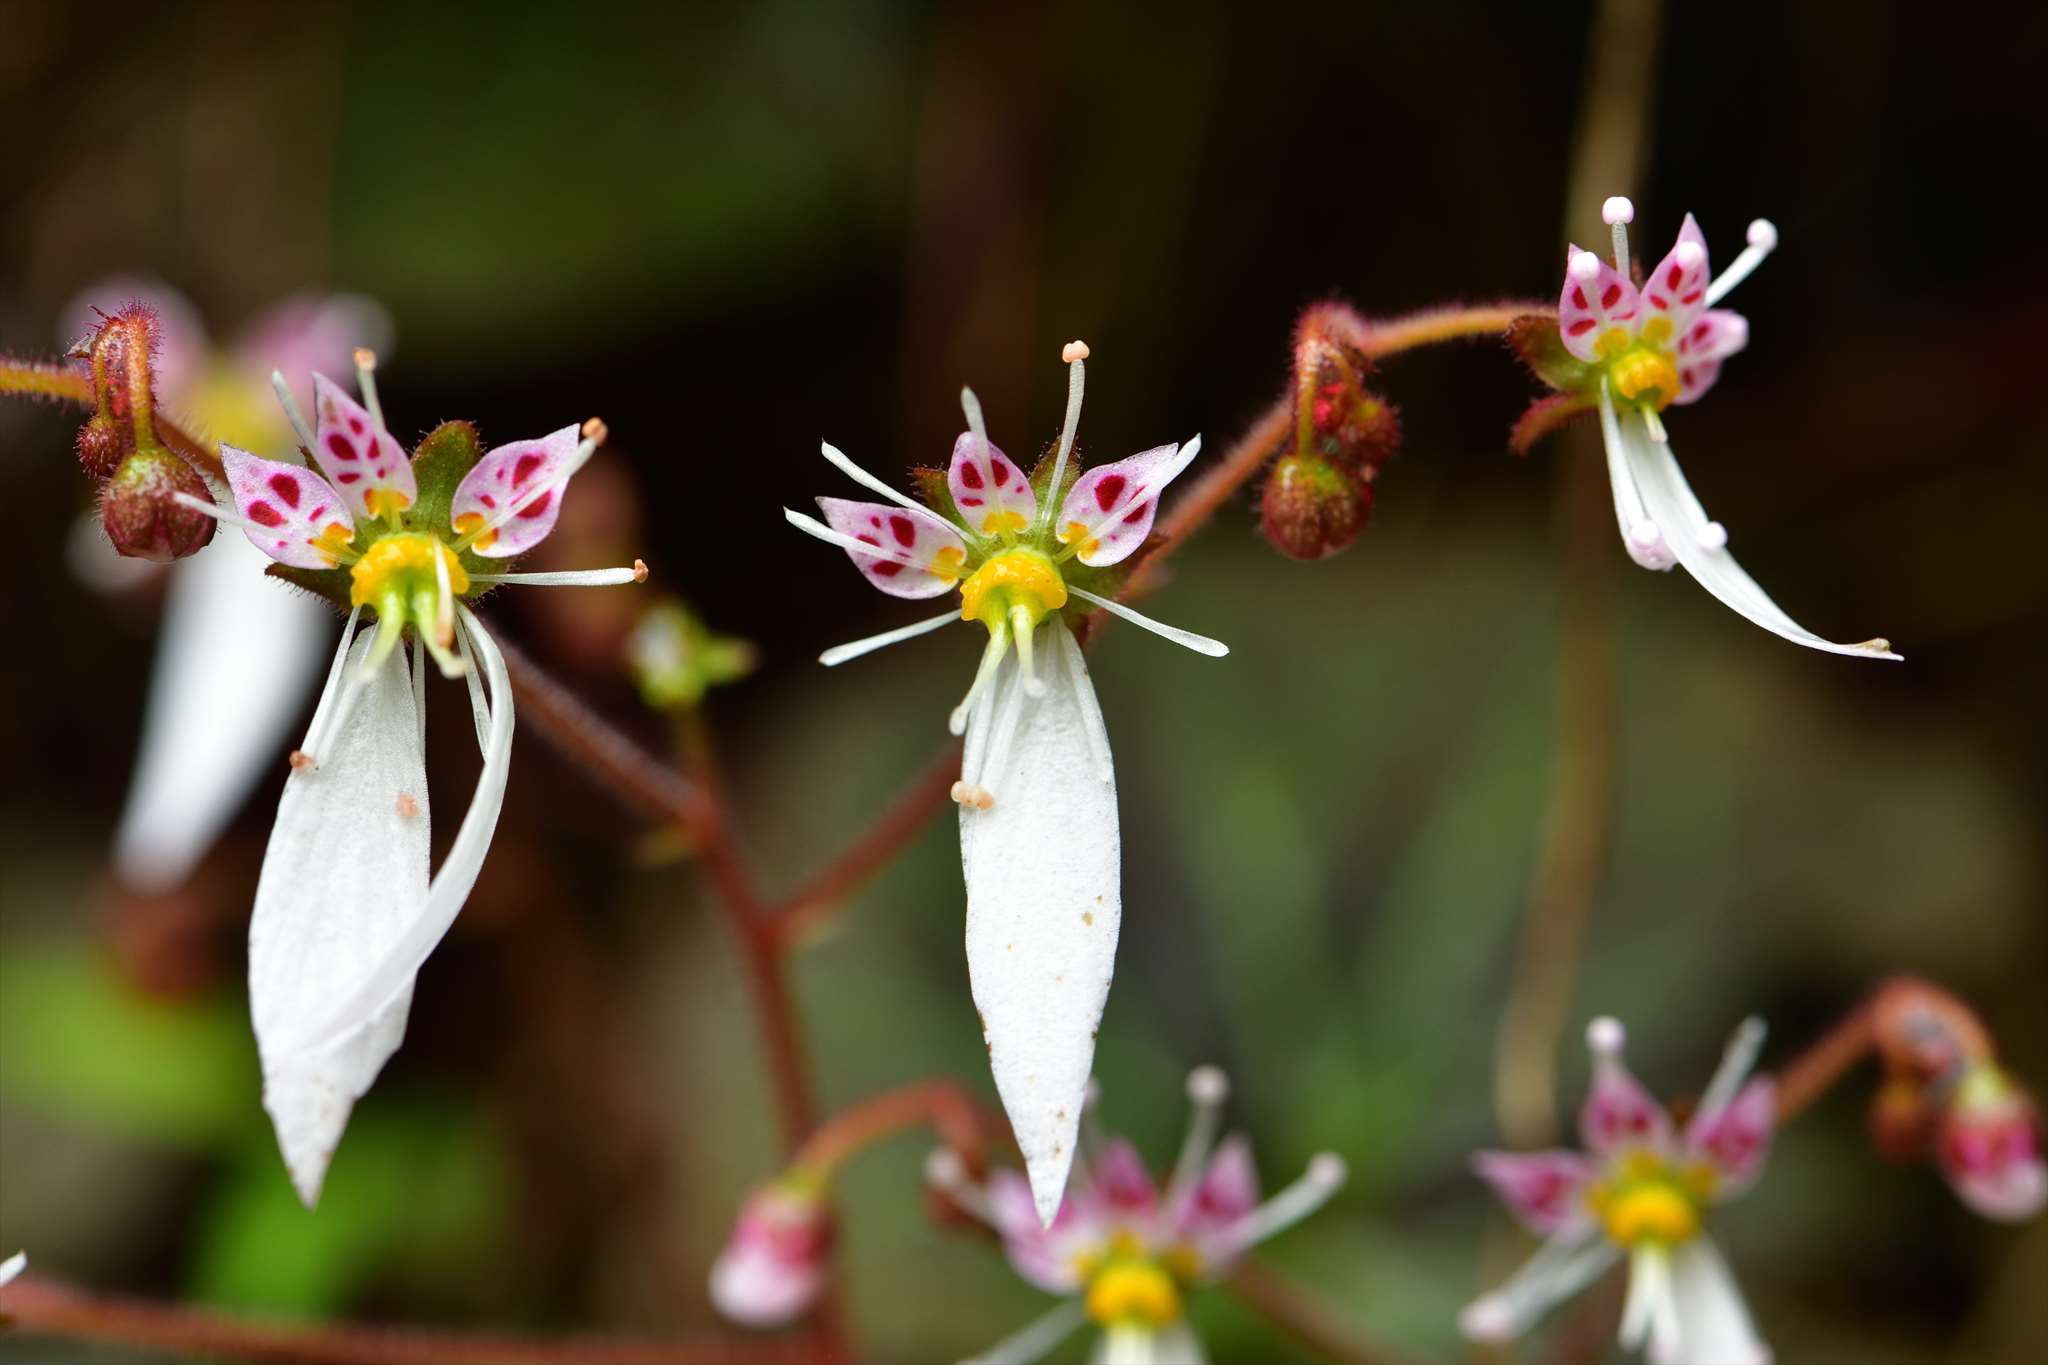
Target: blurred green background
[735,230]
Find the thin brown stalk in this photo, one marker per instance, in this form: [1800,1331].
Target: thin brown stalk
[1308,1320]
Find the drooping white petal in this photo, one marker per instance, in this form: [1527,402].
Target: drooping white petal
[452,883]
[344,875]
[1714,1326]
[1044,901]
[1560,1268]
[1127,1343]
[12,1267]
[1700,546]
[235,660]
[1035,1340]
[1650,1310]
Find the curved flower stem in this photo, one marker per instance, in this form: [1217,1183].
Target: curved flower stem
[1307,1320]
[1914,1025]
[1826,1060]
[1188,515]
[40,1305]
[44,379]
[1387,337]
[943,1106]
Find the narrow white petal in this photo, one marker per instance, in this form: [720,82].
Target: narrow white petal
[839,461]
[457,875]
[12,1267]
[1201,644]
[1714,1326]
[344,875]
[853,649]
[1736,1061]
[1044,900]
[811,526]
[1691,537]
[1640,536]
[568,578]
[234,662]
[1561,1267]
[1036,1339]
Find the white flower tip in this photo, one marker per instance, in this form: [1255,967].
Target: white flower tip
[1646,534]
[595,431]
[1207,1085]
[1048,1186]
[1617,209]
[1606,1036]
[12,1267]
[639,571]
[1584,267]
[1327,1172]
[1713,536]
[365,358]
[973,796]
[1880,648]
[1763,235]
[302,762]
[1690,254]
[957,722]
[944,1170]
[1073,351]
[1489,1318]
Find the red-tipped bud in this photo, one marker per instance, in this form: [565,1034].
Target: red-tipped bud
[1353,426]
[773,1268]
[1988,1144]
[102,444]
[1313,507]
[140,510]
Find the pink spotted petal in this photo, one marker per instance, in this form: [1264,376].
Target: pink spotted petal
[1677,289]
[1227,1191]
[288,507]
[933,549]
[1122,1183]
[1737,1138]
[991,493]
[1587,308]
[1619,1113]
[356,456]
[500,479]
[1706,341]
[1043,1256]
[1110,510]
[1545,1191]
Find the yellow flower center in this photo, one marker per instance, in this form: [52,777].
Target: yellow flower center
[1135,1292]
[1651,1200]
[1639,367]
[1012,579]
[400,566]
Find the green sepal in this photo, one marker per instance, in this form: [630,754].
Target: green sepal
[1535,338]
[1041,477]
[332,584]
[443,457]
[937,493]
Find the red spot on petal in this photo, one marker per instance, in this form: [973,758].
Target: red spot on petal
[1109,490]
[970,502]
[314,515]
[524,468]
[355,424]
[1137,513]
[1659,302]
[869,540]
[1578,297]
[338,445]
[1001,471]
[286,487]
[906,534]
[537,506]
[1699,333]
[970,476]
[487,500]
[1692,298]
[1610,296]
[1581,327]
[888,568]
[1674,276]
[347,476]
[263,514]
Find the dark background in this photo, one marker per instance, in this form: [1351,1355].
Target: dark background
[735,231]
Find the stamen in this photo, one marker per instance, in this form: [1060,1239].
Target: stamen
[291,411]
[427,606]
[1201,644]
[1074,353]
[1736,1062]
[572,578]
[866,480]
[1325,1175]
[945,1172]
[1208,1088]
[1763,239]
[1653,423]
[1618,213]
[973,795]
[811,526]
[971,406]
[1713,536]
[1584,267]
[221,514]
[444,598]
[366,383]
[1023,627]
[853,649]
[1605,1036]
[991,658]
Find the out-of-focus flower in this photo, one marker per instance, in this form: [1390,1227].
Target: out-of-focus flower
[230,644]
[1640,1191]
[773,1267]
[675,658]
[1632,351]
[1039,841]
[12,1267]
[1318,496]
[345,910]
[1987,1142]
[1124,1254]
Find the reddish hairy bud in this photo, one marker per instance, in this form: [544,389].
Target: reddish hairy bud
[1350,424]
[102,444]
[140,510]
[1313,507]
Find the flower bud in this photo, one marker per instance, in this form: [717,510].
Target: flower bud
[1988,1145]
[1312,507]
[1900,1119]
[675,658]
[141,513]
[102,442]
[1353,426]
[773,1268]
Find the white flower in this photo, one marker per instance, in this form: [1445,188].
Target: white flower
[1039,843]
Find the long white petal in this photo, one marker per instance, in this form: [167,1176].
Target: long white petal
[1714,1326]
[457,875]
[853,649]
[1561,1267]
[344,875]
[1044,900]
[1698,544]
[1201,644]
[234,662]
[12,1267]
[1036,1338]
